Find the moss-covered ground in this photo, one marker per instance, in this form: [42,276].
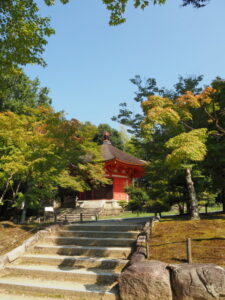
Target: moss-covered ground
[208,239]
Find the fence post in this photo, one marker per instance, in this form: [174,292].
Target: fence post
[81,217]
[147,244]
[189,254]
[151,225]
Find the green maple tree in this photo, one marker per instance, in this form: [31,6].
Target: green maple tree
[41,151]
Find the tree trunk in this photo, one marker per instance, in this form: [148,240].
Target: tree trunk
[181,209]
[188,207]
[6,189]
[192,196]
[222,197]
[24,212]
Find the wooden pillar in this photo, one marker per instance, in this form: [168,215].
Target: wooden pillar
[114,191]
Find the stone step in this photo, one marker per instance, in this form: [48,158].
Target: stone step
[90,241]
[55,289]
[73,261]
[103,227]
[114,252]
[112,234]
[60,273]
[21,296]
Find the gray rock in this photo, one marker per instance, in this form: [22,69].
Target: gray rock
[197,282]
[138,257]
[147,280]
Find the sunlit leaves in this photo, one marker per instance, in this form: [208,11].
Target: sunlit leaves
[159,112]
[195,101]
[187,147]
[52,2]
[188,99]
[117,8]
[23,34]
[41,150]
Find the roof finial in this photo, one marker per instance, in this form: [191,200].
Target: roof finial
[106,137]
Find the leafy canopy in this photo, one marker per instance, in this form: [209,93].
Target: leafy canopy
[117,8]
[41,151]
[23,34]
[187,147]
[20,92]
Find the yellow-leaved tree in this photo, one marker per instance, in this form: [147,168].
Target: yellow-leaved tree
[187,144]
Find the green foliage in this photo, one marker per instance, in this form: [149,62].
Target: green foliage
[172,120]
[158,205]
[115,137]
[187,84]
[123,204]
[148,88]
[138,198]
[125,137]
[187,147]
[183,128]
[23,34]
[195,3]
[117,8]
[207,198]
[19,92]
[41,151]
[52,2]
[157,186]
[159,112]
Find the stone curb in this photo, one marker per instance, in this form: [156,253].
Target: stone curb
[125,219]
[141,251]
[27,244]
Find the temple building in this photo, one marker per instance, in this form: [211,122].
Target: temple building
[121,168]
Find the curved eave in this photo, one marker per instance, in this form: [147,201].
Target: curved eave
[125,162]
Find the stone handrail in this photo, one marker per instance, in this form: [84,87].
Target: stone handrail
[142,248]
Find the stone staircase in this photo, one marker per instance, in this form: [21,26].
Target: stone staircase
[78,261]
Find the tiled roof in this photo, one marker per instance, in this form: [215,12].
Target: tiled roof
[110,152]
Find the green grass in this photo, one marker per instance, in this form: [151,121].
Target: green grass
[128,214]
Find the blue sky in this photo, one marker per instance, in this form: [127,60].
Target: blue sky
[90,63]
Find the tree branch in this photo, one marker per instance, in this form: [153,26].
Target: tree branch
[221,129]
[6,189]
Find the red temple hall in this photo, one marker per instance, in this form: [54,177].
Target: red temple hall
[121,168]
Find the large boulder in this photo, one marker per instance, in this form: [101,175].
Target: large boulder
[145,280]
[197,282]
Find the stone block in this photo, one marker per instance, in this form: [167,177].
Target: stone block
[146,280]
[197,282]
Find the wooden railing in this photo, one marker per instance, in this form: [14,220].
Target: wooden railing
[77,217]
